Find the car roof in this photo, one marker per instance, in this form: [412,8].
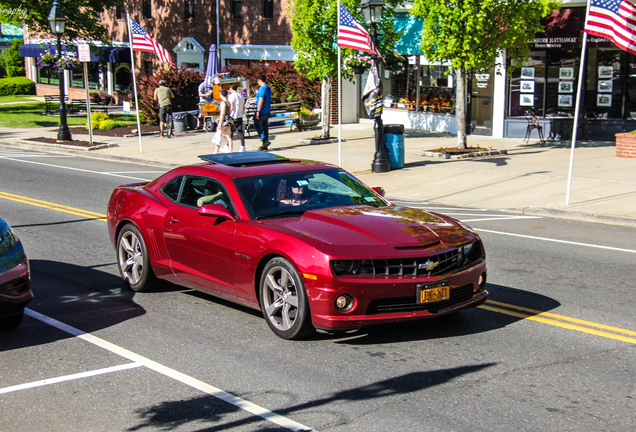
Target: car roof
[248,164]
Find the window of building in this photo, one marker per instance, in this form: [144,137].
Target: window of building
[428,88]
[268,8]
[123,77]
[148,67]
[189,9]
[236,9]
[48,76]
[93,69]
[147,8]
[526,88]
[120,10]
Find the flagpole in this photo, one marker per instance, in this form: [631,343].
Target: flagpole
[339,99]
[577,106]
[132,64]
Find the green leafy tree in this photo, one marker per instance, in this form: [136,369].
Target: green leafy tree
[470,34]
[315,30]
[83,19]
[15,63]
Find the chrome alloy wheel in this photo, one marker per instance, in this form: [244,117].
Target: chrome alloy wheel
[280,298]
[131,257]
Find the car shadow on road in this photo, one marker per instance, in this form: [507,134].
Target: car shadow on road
[212,414]
[85,297]
[484,318]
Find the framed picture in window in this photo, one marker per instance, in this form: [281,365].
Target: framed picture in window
[605,86]
[527,87]
[605,72]
[526,100]
[566,87]
[604,100]
[566,73]
[565,100]
[527,72]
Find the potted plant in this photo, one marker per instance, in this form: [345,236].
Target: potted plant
[94,96]
[357,63]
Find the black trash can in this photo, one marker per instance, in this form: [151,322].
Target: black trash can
[394,140]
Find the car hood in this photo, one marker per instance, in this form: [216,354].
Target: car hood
[366,226]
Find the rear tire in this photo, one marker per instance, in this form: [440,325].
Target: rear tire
[283,300]
[169,126]
[209,125]
[132,259]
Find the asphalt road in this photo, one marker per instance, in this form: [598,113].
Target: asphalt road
[94,356]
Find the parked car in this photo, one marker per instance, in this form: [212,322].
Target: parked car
[15,278]
[305,242]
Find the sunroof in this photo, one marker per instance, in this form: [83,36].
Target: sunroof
[244,158]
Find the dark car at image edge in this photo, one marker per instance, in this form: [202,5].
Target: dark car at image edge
[305,242]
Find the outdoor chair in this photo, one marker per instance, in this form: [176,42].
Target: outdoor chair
[533,123]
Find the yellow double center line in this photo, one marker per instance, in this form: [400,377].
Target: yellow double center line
[491,305]
[561,321]
[53,206]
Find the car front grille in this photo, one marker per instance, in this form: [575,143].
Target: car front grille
[409,304]
[423,266]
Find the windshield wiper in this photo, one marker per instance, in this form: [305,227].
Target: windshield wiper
[282,213]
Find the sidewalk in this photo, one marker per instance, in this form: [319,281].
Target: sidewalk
[531,178]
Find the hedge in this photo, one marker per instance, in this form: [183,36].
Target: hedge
[16,86]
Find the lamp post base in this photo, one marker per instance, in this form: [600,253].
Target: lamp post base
[380,161]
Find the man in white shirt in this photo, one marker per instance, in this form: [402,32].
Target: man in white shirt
[205,97]
[237,107]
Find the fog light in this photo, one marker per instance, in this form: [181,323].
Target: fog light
[344,303]
[482,281]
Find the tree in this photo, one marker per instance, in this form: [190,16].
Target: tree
[83,19]
[15,63]
[470,34]
[315,30]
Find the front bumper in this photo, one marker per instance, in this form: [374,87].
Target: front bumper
[389,300]
[15,282]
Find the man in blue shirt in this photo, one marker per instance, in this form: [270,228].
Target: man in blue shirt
[263,108]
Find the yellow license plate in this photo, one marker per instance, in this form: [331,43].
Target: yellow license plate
[433,293]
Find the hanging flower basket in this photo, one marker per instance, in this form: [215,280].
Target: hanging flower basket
[47,60]
[358,70]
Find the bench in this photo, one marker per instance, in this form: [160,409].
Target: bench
[280,112]
[78,105]
[53,103]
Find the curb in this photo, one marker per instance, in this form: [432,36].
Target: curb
[69,147]
[573,215]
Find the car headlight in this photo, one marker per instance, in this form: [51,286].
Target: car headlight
[8,240]
[352,267]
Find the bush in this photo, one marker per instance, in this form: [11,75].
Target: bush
[102,121]
[15,63]
[16,86]
[184,84]
[286,83]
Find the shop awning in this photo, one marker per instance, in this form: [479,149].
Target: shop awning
[411,27]
[98,54]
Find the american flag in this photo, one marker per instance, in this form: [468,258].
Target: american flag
[614,20]
[141,41]
[352,35]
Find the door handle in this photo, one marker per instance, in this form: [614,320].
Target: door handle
[173,219]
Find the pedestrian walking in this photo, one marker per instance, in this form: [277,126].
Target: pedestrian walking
[163,95]
[237,103]
[263,109]
[205,97]
[224,125]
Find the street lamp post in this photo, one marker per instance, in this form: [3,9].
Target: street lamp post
[57,20]
[372,10]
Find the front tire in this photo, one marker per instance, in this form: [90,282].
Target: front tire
[132,260]
[283,300]
[11,322]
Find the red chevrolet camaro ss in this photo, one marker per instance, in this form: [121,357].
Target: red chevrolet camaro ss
[305,242]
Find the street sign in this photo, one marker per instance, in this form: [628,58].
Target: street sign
[84,52]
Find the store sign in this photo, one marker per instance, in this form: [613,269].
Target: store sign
[554,42]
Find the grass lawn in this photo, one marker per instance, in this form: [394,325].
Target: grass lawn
[16,98]
[30,114]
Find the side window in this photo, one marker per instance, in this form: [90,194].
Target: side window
[199,191]
[171,189]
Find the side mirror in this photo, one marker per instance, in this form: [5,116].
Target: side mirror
[216,210]
[379,190]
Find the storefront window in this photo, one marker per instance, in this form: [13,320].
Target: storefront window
[123,77]
[48,76]
[527,86]
[604,85]
[429,88]
[77,76]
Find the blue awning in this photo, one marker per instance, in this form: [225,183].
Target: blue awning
[101,54]
[411,27]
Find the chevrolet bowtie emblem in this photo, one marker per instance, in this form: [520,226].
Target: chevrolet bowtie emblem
[428,265]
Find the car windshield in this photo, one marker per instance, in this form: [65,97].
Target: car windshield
[291,194]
